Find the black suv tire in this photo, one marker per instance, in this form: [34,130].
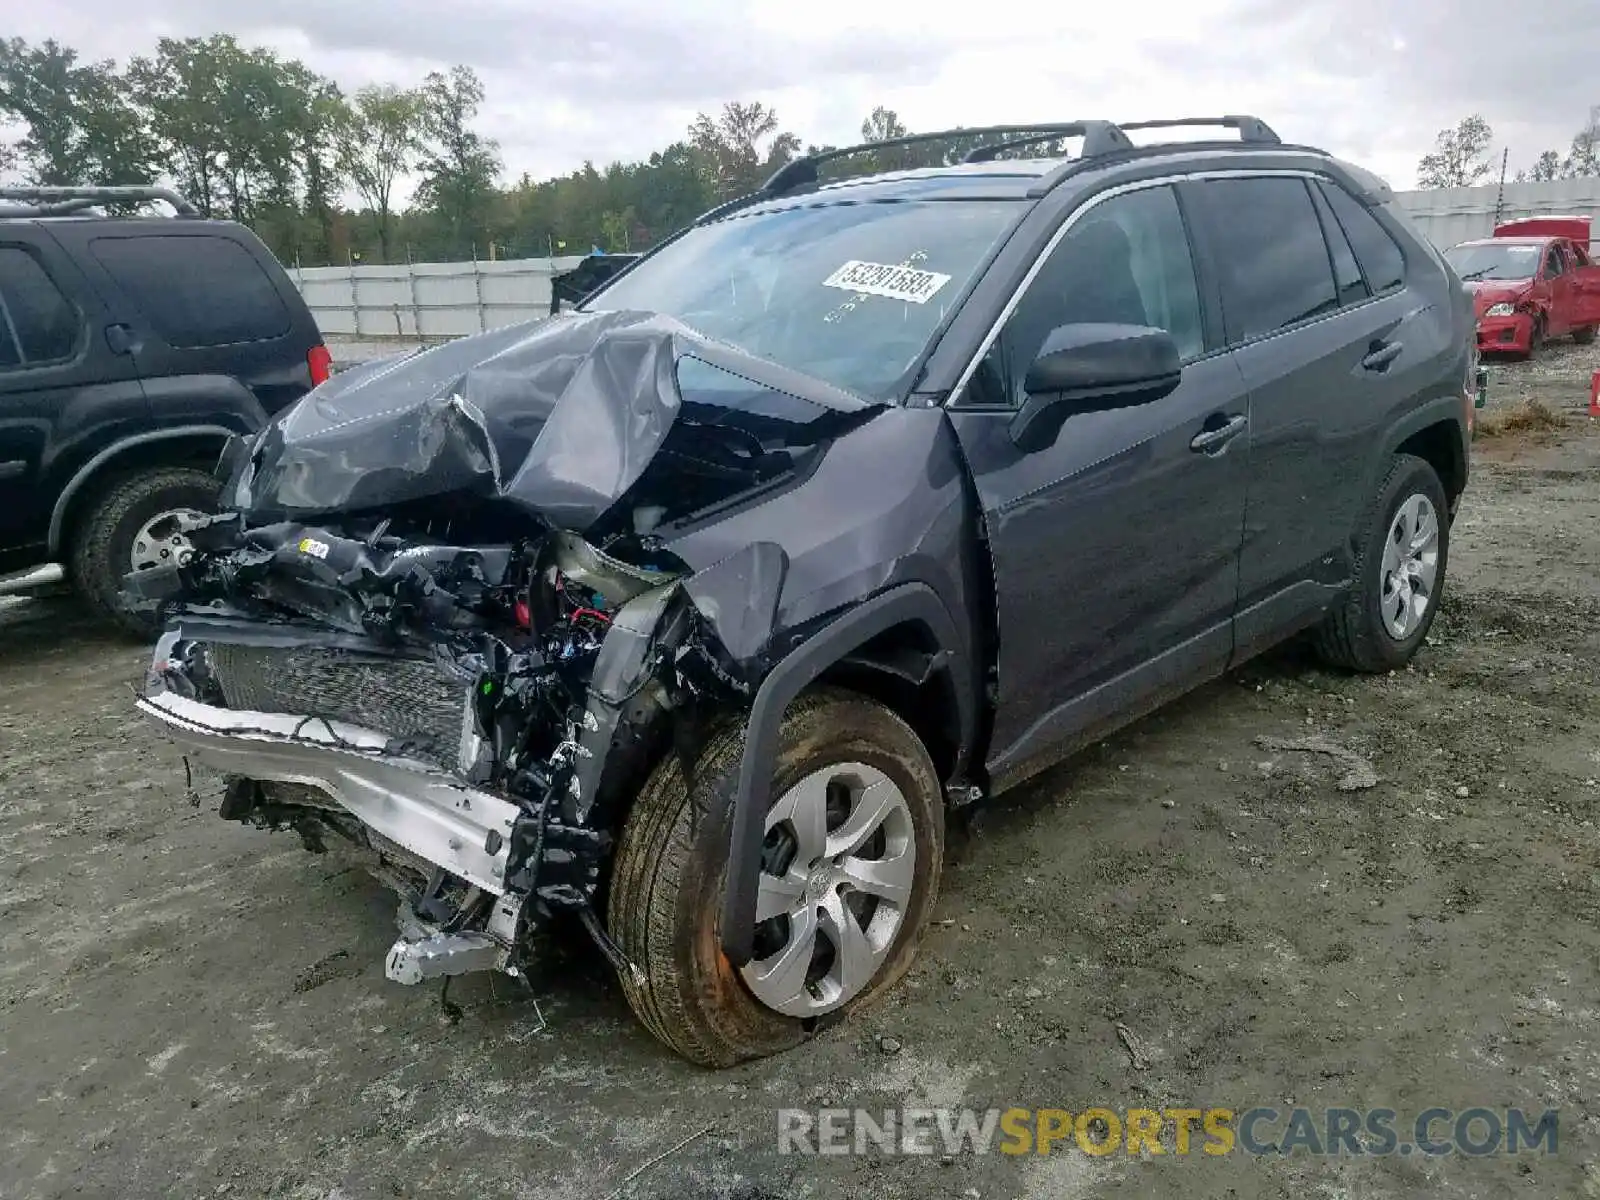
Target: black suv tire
[102,548]
[1355,635]
[666,893]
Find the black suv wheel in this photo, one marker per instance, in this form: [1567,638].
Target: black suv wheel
[1401,554]
[130,525]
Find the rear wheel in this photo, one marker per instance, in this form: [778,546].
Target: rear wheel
[132,525]
[849,875]
[1401,554]
[1585,335]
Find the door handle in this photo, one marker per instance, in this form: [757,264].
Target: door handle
[1381,354]
[121,339]
[1209,440]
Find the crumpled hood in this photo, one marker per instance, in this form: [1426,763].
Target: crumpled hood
[559,417]
[1488,292]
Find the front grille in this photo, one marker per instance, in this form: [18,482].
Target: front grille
[405,699]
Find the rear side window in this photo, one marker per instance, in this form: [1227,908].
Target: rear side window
[37,323]
[1380,259]
[195,289]
[1270,252]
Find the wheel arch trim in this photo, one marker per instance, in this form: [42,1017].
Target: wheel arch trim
[89,470]
[913,603]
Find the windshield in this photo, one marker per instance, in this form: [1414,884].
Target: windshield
[1506,260]
[848,293]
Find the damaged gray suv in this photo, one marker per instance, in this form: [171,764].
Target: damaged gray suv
[686,617]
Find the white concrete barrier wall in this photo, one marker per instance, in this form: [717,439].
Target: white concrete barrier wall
[427,301]
[435,301]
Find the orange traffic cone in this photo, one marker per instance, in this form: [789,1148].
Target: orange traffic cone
[1594,395]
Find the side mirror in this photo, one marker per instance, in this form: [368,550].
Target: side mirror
[1091,368]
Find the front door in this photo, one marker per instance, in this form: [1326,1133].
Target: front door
[1585,288]
[1563,302]
[1115,548]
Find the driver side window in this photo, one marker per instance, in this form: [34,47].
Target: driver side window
[1124,261]
[1554,264]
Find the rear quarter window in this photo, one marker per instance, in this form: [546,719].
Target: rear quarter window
[1380,259]
[196,289]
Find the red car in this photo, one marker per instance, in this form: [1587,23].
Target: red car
[1532,281]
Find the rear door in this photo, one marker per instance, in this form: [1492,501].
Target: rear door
[206,300]
[1331,346]
[62,389]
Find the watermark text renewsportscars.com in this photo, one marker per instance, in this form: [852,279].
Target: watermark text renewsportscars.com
[1099,1131]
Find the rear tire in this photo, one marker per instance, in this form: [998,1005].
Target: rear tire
[1585,335]
[102,550]
[666,894]
[1361,634]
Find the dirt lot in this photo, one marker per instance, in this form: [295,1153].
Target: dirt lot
[188,1008]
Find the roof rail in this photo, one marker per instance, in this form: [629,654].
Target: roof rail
[62,201]
[1251,129]
[1100,137]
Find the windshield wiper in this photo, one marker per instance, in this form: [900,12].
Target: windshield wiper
[1478,274]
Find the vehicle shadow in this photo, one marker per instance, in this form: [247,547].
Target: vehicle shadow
[35,629]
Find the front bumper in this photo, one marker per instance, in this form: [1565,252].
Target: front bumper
[1513,334]
[421,809]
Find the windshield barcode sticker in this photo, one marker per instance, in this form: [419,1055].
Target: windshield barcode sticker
[882,279]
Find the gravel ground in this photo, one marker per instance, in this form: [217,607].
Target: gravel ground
[188,1008]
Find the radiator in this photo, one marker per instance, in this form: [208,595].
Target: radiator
[405,699]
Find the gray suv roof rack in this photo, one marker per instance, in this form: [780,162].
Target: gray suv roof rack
[1099,137]
[64,201]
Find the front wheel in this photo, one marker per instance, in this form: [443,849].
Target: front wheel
[849,875]
[1585,335]
[1401,552]
[132,525]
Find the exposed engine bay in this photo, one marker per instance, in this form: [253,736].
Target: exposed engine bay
[447,629]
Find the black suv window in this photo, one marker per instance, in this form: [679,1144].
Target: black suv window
[1270,253]
[1379,256]
[37,323]
[1125,261]
[1346,270]
[226,297]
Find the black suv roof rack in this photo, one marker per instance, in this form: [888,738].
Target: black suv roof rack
[64,201]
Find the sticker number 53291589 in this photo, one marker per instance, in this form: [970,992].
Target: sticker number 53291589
[883,279]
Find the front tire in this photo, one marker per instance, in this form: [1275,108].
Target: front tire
[125,525]
[1402,550]
[850,874]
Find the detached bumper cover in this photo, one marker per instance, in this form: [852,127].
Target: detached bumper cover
[441,819]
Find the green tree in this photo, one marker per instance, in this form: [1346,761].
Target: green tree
[459,165]
[1546,167]
[730,147]
[1460,157]
[235,124]
[81,125]
[378,135]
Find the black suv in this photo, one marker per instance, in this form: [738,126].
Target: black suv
[685,616]
[131,349]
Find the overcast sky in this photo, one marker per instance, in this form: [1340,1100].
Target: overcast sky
[1371,80]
